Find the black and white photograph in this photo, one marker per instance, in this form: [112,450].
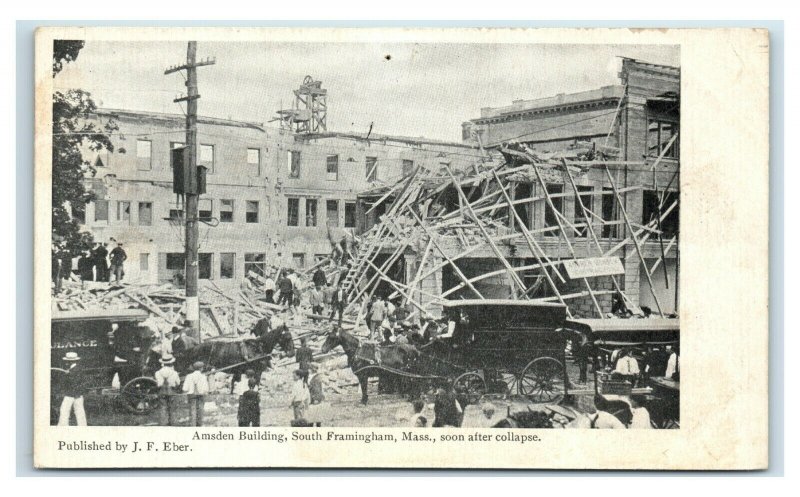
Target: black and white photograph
[402,240]
[299,240]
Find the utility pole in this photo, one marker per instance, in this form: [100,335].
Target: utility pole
[190,181]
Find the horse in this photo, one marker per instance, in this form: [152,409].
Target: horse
[359,356]
[235,355]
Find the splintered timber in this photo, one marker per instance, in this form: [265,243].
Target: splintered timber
[268,436]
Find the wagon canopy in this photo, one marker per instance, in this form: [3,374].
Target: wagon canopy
[506,315]
[628,332]
[115,316]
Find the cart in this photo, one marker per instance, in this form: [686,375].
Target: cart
[126,352]
[647,337]
[494,346]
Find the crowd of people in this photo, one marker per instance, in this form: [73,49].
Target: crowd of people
[103,262]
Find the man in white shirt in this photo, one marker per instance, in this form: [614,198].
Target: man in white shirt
[673,365]
[168,381]
[628,367]
[196,385]
[269,289]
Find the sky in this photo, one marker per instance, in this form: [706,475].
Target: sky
[409,89]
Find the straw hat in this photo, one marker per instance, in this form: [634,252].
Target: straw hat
[167,359]
[71,356]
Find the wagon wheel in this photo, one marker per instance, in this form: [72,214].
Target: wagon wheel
[542,380]
[57,378]
[471,386]
[511,380]
[140,395]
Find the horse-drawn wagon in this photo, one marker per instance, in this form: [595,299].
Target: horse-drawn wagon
[506,346]
[113,343]
[652,341]
[108,343]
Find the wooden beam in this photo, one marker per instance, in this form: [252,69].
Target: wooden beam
[488,237]
[444,255]
[635,241]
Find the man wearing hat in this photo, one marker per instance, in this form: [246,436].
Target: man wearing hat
[168,381]
[181,342]
[196,385]
[73,392]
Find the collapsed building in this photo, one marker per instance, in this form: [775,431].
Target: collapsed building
[574,200]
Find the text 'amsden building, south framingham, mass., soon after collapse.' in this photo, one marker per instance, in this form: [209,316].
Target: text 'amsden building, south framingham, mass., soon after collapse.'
[277,195]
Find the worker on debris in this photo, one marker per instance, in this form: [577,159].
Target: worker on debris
[58,267]
[250,405]
[295,279]
[390,312]
[118,258]
[196,385]
[269,289]
[304,355]
[99,255]
[168,381]
[315,389]
[73,390]
[301,396]
[285,287]
[376,317]
[316,300]
[319,278]
[85,268]
[338,303]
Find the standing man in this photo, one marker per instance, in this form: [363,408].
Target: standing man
[338,302]
[315,298]
[118,258]
[673,366]
[99,255]
[376,317]
[269,289]
[85,268]
[304,355]
[196,385]
[285,286]
[295,302]
[319,278]
[168,381]
[73,392]
[56,268]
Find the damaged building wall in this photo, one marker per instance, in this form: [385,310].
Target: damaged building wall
[274,193]
[641,132]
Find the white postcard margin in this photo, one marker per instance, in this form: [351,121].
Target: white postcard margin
[723,299]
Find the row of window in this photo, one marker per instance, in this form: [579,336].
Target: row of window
[120,210]
[176,262]
[254,262]
[144,161]
[311,217]
[607,210]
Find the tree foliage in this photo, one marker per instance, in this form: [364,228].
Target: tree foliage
[65,51]
[73,132]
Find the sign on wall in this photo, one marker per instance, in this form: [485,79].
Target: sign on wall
[593,266]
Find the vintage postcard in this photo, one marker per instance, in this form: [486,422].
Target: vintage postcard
[410,248]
